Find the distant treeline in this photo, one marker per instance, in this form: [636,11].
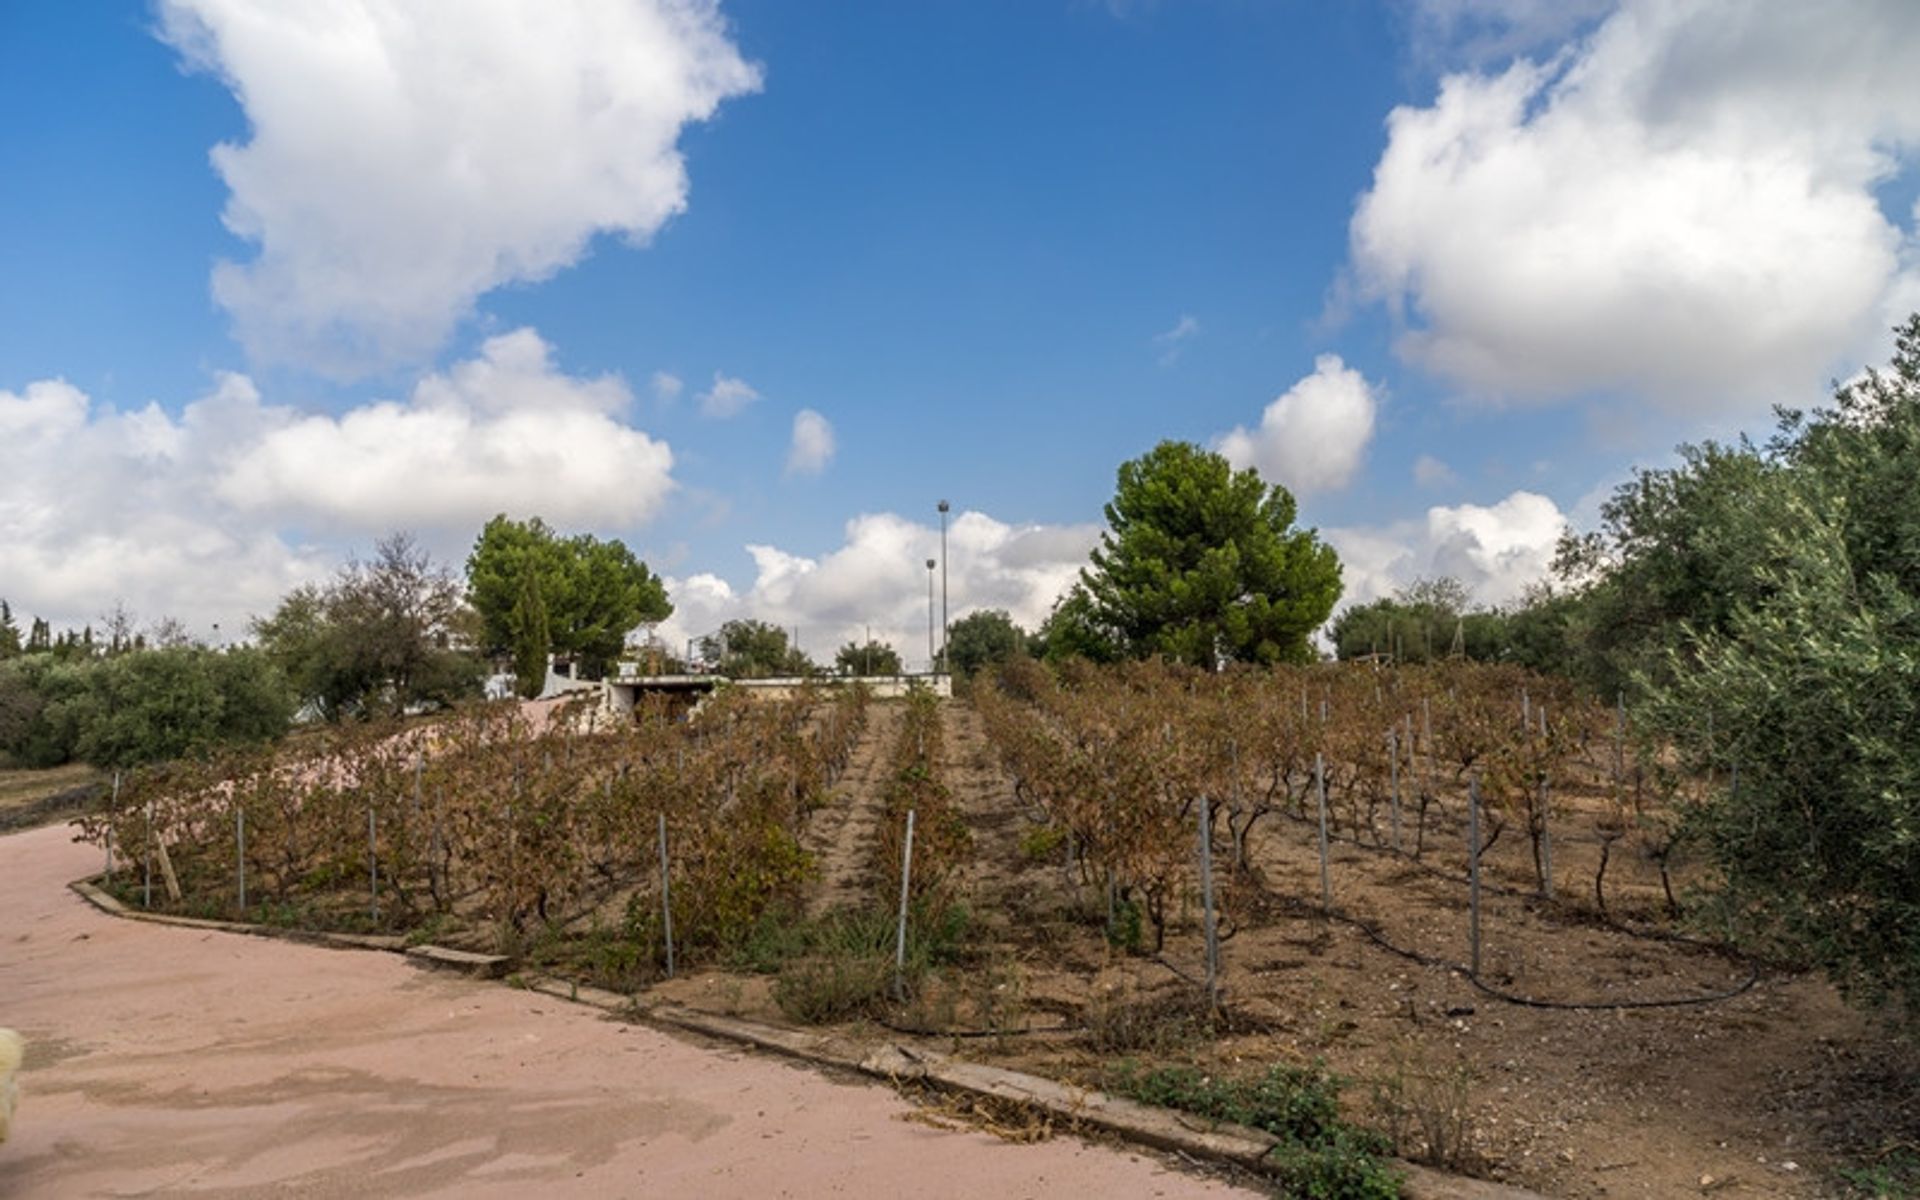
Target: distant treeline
[396,634]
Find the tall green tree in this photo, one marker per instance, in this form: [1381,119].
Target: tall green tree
[1782,645]
[746,649]
[1416,624]
[1074,629]
[1201,564]
[984,637]
[870,658]
[380,637]
[1807,708]
[1680,549]
[533,637]
[593,593]
[10,643]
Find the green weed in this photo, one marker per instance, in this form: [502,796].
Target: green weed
[1320,1155]
[1896,1176]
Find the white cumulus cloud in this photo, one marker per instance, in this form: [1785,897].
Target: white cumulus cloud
[502,432]
[1680,205]
[1484,30]
[212,514]
[1313,437]
[813,444]
[405,158]
[878,579]
[728,397]
[1497,550]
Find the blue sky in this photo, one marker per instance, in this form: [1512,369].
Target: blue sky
[1449,268]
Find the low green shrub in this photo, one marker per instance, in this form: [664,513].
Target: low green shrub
[1896,1176]
[841,965]
[1319,1156]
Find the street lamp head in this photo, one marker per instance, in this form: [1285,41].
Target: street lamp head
[930,564]
[943,506]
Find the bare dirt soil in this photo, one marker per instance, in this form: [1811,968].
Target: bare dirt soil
[168,1061]
[1760,1093]
[41,797]
[841,837]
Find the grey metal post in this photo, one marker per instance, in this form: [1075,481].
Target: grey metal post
[1320,786]
[1619,737]
[666,896]
[373,865]
[1526,712]
[900,933]
[1426,735]
[946,628]
[1412,748]
[146,887]
[933,664]
[240,852]
[1473,873]
[1546,843]
[1206,899]
[1393,767]
[1546,829]
[113,807]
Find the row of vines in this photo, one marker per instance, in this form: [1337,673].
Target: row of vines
[492,824]
[914,784]
[1117,759]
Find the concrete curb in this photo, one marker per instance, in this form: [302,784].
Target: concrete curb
[1162,1129]
[466,962]
[90,891]
[892,1062]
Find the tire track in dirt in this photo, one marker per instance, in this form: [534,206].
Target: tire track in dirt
[841,836]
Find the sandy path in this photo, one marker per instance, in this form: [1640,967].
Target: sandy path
[172,1061]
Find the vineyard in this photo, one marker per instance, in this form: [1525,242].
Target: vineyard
[490,829]
[1461,886]
[1129,766]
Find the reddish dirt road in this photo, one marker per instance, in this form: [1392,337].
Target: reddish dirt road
[173,1061]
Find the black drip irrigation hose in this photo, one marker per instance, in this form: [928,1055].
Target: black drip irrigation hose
[1461,969]
[915,1031]
[1498,889]
[1752,978]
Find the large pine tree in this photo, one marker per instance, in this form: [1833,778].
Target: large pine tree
[1200,563]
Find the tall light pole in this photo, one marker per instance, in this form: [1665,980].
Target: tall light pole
[945,629]
[933,664]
